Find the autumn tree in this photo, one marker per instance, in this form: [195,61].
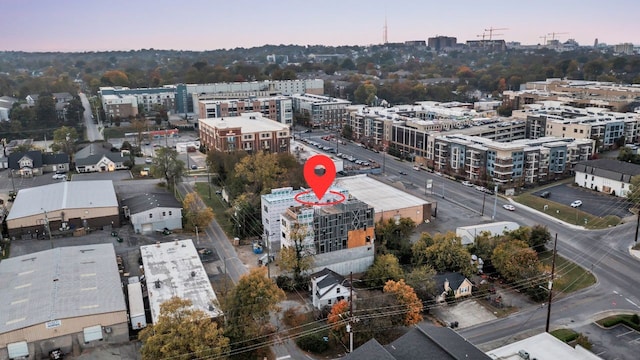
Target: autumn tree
[338,315]
[114,78]
[139,126]
[259,171]
[167,165]
[444,252]
[197,213]
[407,299]
[384,268]
[365,94]
[296,258]
[518,263]
[64,140]
[183,332]
[247,308]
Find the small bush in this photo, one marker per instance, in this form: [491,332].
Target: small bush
[285,283]
[584,342]
[635,319]
[314,343]
[565,335]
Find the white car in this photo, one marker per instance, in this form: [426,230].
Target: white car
[467,183]
[148,160]
[59,176]
[416,168]
[509,207]
[576,204]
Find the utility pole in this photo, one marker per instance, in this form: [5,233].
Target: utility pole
[553,269]
[495,201]
[197,236]
[349,325]
[47,226]
[209,180]
[637,218]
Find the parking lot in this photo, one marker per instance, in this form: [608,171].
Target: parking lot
[594,203]
[618,342]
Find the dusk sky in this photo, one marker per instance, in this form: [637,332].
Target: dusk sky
[75,25]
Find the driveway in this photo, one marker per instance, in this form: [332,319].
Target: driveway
[593,202]
[466,313]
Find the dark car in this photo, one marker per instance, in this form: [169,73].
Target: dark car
[545,194]
[403,173]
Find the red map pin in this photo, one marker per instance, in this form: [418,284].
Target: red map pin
[319,171]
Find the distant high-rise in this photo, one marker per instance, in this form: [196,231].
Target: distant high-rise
[441,42]
[595,43]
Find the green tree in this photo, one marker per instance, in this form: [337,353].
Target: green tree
[539,237]
[385,267]
[166,165]
[421,279]
[64,140]
[183,332]
[444,252]
[46,111]
[365,94]
[347,132]
[394,237]
[247,308]
[634,192]
[296,258]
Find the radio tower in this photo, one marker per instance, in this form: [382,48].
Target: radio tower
[385,39]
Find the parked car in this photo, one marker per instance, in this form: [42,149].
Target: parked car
[576,204]
[148,160]
[416,168]
[403,172]
[59,176]
[509,207]
[545,194]
[467,183]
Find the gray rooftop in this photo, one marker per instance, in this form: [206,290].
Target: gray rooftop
[58,284]
[63,195]
[144,202]
[174,269]
[609,169]
[376,194]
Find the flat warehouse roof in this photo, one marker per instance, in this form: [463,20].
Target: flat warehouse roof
[58,284]
[174,269]
[380,196]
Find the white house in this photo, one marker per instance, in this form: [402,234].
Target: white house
[328,288]
[606,175]
[101,163]
[150,212]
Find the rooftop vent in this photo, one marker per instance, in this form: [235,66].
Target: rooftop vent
[157,284]
[193,274]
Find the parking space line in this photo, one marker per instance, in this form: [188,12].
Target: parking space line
[626,333]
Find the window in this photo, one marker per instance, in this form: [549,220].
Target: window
[338,290]
[164,213]
[329,302]
[169,212]
[150,216]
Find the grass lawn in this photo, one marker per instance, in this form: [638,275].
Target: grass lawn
[116,132]
[569,276]
[630,320]
[565,335]
[217,204]
[566,213]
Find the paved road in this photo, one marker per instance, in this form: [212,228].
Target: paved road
[93,132]
[604,252]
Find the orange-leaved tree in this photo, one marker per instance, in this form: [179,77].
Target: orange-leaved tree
[338,315]
[406,297]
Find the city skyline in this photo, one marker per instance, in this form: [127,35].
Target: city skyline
[77,26]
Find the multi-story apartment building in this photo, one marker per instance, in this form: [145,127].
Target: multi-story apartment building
[509,163]
[341,237]
[149,98]
[278,201]
[122,106]
[185,102]
[277,108]
[606,127]
[575,93]
[250,132]
[323,111]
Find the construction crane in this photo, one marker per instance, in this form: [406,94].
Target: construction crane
[553,34]
[492,29]
[544,39]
